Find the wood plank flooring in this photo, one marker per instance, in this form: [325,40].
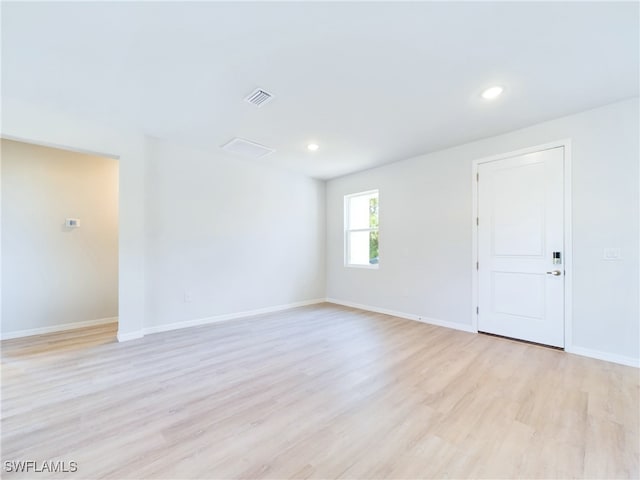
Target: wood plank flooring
[315,392]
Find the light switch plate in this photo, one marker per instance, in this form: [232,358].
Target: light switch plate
[611,253]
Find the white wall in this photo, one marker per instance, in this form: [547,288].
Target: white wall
[57,275]
[426,230]
[38,124]
[414,276]
[286,273]
[233,234]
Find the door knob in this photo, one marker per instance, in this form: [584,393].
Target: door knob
[555,273]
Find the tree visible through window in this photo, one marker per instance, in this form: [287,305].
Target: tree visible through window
[361,229]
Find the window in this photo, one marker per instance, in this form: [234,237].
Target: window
[361,229]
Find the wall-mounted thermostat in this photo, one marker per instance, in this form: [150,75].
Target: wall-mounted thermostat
[72,222]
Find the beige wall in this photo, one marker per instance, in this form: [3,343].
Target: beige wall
[53,275]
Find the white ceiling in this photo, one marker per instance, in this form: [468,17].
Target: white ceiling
[371,83]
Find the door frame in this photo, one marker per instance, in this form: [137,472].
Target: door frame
[568,245]
[84,151]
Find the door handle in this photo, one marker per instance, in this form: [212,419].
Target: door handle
[555,273]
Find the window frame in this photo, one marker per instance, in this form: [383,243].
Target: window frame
[347,230]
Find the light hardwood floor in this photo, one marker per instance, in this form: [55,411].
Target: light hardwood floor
[315,392]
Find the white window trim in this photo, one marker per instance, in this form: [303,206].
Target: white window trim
[346,229]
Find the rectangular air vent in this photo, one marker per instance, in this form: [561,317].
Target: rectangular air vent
[259,97]
[246,148]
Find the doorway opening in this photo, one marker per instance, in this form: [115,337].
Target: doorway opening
[59,246]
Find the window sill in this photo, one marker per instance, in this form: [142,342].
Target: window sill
[366,267]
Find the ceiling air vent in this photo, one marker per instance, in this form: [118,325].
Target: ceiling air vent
[259,97]
[245,148]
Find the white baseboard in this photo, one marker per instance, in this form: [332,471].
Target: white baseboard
[225,317]
[608,357]
[124,337]
[585,352]
[57,328]
[408,316]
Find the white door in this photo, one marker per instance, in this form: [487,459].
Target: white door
[520,231]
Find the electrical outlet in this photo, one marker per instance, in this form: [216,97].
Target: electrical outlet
[188,297]
[611,254]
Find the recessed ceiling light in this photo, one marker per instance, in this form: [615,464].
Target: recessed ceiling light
[313,147]
[492,92]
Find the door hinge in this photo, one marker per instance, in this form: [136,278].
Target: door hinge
[478,221]
[477,177]
[477,265]
[477,310]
